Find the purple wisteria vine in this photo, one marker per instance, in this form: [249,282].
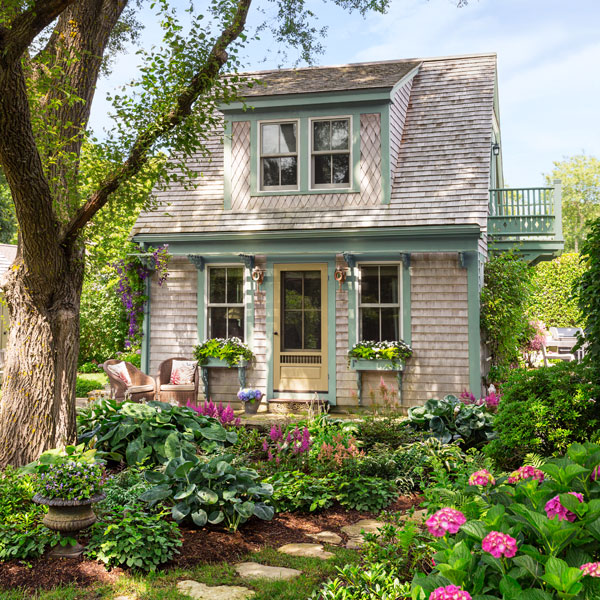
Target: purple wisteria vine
[132,274]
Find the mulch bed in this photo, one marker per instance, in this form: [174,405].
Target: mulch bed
[199,546]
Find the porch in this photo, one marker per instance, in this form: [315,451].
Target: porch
[528,218]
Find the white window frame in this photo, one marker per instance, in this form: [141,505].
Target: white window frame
[312,153]
[259,173]
[360,306]
[208,305]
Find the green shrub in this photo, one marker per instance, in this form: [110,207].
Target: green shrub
[88,384]
[151,433]
[122,491]
[388,429]
[451,420]
[553,531]
[297,491]
[209,492]
[135,539]
[543,411]
[366,493]
[552,298]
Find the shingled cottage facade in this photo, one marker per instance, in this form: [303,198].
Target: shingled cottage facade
[379,171]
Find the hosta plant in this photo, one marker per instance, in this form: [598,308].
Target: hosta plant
[533,539]
[210,491]
[151,433]
[450,420]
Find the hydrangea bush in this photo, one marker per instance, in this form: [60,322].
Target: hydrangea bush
[249,395]
[536,535]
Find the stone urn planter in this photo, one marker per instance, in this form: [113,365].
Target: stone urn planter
[68,516]
[251,406]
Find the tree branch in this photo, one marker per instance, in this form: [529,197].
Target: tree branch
[27,25]
[199,84]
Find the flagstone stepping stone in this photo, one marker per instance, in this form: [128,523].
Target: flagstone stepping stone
[306,550]
[326,537]
[200,591]
[354,531]
[253,570]
[416,517]
[124,598]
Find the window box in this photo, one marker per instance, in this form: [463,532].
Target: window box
[366,364]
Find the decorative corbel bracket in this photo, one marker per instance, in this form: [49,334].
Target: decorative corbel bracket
[197,261]
[350,259]
[405,257]
[248,260]
[462,259]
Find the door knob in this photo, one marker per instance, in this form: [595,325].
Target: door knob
[275,333]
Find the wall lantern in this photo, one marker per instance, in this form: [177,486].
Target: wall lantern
[258,276]
[340,276]
[496,148]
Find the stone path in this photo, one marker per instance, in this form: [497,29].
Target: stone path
[326,537]
[306,550]
[253,570]
[354,531]
[200,591]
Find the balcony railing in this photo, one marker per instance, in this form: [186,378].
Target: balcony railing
[526,212]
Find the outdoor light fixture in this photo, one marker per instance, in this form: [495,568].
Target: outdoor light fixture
[496,148]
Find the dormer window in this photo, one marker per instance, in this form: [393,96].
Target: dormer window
[330,153]
[279,156]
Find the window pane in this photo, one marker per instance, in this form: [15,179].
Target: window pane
[369,324]
[339,135]
[217,324]
[287,139]
[235,322]
[289,170]
[390,330]
[389,285]
[292,330]
[312,289]
[369,283]
[322,168]
[312,330]
[270,139]
[217,286]
[321,135]
[292,290]
[270,171]
[341,168]
[235,285]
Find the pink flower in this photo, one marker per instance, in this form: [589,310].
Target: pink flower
[555,508]
[526,472]
[591,569]
[445,520]
[450,592]
[276,433]
[499,544]
[482,477]
[595,476]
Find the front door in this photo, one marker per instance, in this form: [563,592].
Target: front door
[300,328]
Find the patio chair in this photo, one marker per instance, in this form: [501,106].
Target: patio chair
[142,386]
[179,393]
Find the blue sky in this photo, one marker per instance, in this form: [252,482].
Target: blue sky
[548,65]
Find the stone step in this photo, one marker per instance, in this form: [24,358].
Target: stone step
[254,570]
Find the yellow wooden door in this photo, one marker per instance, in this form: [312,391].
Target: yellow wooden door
[300,328]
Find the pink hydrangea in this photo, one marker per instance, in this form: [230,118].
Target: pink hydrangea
[446,520]
[482,477]
[499,544]
[450,592]
[595,476]
[591,569]
[526,472]
[555,509]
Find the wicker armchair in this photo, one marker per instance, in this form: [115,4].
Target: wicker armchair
[175,394]
[143,387]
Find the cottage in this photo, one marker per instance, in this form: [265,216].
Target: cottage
[363,198]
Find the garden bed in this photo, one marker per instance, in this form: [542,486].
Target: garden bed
[200,546]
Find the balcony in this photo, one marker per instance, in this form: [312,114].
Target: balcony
[527,218]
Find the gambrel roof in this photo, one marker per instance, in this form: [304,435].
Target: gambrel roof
[441,123]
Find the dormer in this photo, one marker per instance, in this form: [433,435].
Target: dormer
[316,137]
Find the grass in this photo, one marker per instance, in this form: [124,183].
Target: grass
[163,585]
[86,382]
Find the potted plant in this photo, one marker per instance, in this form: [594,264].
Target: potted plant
[251,399]
[380,354]
[68,482]
[231,352]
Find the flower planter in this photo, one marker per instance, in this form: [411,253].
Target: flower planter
[251,407]
[363,364]
[68,516]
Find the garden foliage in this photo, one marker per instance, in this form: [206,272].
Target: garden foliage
[543,411]
[393,351]
[151,433]
[232,351]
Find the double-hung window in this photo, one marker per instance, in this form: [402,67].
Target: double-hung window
[330,153]
[279,156]
[226,302]
[379,302]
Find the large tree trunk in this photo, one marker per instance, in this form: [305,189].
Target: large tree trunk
[38,400]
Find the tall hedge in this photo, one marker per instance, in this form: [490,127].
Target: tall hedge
[552,298]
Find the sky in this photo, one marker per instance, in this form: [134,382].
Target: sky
[548,65]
